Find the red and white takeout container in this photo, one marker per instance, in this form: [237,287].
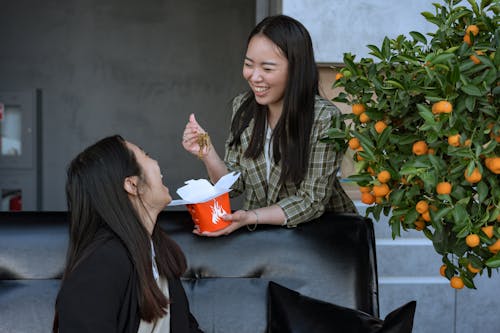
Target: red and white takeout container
[207,203]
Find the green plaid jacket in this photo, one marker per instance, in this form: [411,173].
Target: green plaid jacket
[319,191]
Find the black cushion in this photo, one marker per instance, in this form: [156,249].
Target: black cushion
[291,312]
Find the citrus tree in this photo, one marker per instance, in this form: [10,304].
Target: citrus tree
[425,128]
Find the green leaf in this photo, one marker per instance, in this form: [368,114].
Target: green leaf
[474,7]
[494,262]
[417,36]
[468,281]
[470,103]
[465,66]
[452,49]
[442,58]
[428,15]
[411,60]
[349,62]
[360,179]
[489,147]
[386,48]
[365,141]
[485,3]
[442,213]
[471,90]
[396,197]
[384,137]
[395,227]
[470,167]
[395,83]
[335,133]
[482,191]
[454,74]
[425,113]
[460,216]
[375,51]
[463,231]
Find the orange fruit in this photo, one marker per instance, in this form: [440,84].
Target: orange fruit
[358,109]
[364,189]
[419,225]
[422,206]
[364,118]
[384,176]
[467,143]
[488,230]
[495,247]
[472,240]
[493,164]
[380,126]
[426,216]
[367,198]
[473,269]
[354,143]
[442,107]
[359,157]
[474,177]
[431,151]
[443,188]
[442,270]
[454,140]
[467,39]
[474,29]
[420,148]
[338,76]
[456,282]
[381,190]
[475,59]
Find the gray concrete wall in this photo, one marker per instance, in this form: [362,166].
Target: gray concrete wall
[133,67]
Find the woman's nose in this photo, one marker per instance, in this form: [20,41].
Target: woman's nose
[256,75]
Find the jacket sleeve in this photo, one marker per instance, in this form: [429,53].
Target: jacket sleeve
[320,182]
[91,296]
[232,154]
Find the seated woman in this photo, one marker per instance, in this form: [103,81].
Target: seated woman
[122,272]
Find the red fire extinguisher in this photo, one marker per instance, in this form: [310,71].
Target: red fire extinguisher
[15,203]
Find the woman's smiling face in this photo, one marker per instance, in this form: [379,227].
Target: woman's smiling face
[266,71]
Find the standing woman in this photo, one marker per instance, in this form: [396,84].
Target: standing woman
[122,271]
[288,175]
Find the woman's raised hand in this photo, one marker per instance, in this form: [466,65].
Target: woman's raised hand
[194,139]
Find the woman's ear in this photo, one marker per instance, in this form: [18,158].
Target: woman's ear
[130,185]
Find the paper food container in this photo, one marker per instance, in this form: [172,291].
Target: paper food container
[207,203]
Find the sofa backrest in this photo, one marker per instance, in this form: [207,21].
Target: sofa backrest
[332,259]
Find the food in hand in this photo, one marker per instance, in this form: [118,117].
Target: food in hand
[203,141]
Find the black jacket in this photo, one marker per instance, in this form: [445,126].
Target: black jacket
[100,295]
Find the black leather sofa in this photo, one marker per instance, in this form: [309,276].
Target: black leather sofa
[332,259]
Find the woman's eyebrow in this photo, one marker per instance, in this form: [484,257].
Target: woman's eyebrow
[270,63]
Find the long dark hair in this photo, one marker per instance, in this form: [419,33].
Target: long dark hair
[97,200]
[292,132]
